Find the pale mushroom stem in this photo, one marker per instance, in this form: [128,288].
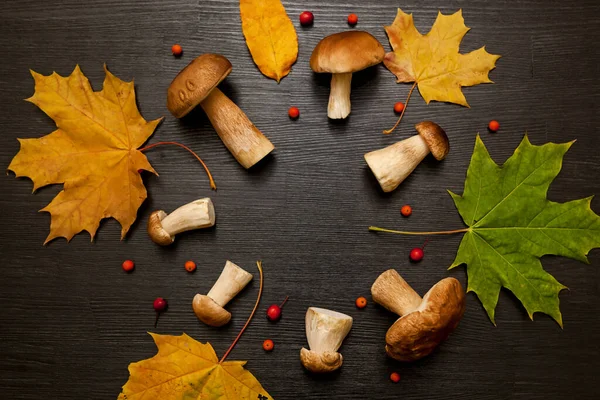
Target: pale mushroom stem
[231,281]
[247,144]
[391,165]
[195,215]
[392,292]
[326,329]
[339,96]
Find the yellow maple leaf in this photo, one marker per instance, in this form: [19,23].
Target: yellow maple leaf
[270,36]
[93,152]
[184,368]
[433,60]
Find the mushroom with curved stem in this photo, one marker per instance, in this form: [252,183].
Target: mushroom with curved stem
[341,54]
[196,85]
[325,332]
[209,308]
[423,323]
[392,165]
[198,214]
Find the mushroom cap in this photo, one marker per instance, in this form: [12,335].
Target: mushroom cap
[345,52]
[435,137]
[417,334]
[327,361]
[156,231]
[209,312]
[195,82]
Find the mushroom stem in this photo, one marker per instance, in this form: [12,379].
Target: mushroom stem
[231,281]
[392,292]
[247,144]
[326,329]
[391,165]
[195,215]
[339,96]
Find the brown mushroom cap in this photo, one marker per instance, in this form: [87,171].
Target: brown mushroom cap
[327,361]
[209,312]
[345,52]
[156,231]
[195,82]
[435,137]
[417,334]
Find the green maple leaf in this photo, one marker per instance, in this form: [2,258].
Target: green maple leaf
[511,225]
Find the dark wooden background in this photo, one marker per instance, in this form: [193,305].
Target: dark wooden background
[71,320]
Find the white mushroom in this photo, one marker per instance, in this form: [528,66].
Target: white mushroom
[198,214]
[209,308]
[325,332]
[391,165]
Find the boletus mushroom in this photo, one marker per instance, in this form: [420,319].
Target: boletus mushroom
[392,165]
[424,322]
[198,214]
[325,332]
[196,85]
[209,308]
[341,54]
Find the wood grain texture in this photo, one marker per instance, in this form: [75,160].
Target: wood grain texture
[72,321]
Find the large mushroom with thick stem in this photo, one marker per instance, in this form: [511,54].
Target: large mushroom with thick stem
[424,322]
[392,165]
[341,54]
[196,85]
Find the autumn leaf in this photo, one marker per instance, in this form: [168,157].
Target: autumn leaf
[270,36]
[93,152]
[186,369]
[511,224]
[433,61]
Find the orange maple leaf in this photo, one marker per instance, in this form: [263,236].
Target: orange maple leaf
[93,152]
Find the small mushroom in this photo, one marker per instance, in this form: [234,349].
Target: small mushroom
[197,84]
[325,332]
[423,323]
[391,165]
[209,308]
[198,214]
[341,54]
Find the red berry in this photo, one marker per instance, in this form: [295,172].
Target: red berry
[268,345]
[416,254]
[160,304]
[398,107]
[274,313]
[494,126]
[306,18]
[406,210]
[293,112]
[177,50]
[352,19]
[395,377]
[361,302]
[190,266]
[128,265]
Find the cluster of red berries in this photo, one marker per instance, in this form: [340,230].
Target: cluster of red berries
[307,18]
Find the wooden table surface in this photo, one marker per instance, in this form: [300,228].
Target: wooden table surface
[71,320]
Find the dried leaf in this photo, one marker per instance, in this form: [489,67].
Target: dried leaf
[186,369]
[93,152]
[270,36]
[432,61]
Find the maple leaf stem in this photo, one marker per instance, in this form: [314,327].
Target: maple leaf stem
[213,186]
[377,229]
[388,131]
[260,271]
